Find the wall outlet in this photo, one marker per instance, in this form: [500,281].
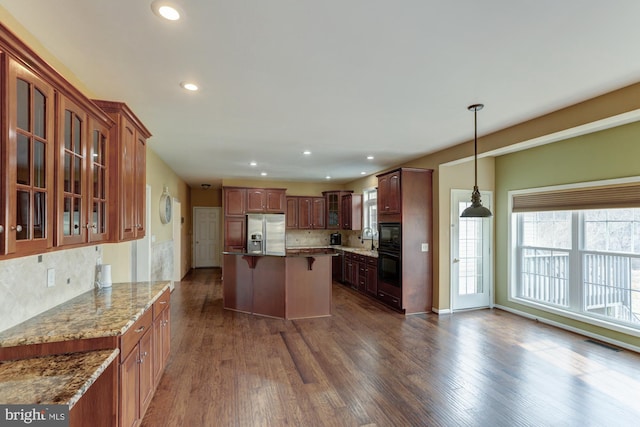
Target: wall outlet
[99,260]
[425,247]
[51,277]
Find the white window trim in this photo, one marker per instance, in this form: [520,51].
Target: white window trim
[512,277]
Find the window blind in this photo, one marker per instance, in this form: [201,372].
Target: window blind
[598,197]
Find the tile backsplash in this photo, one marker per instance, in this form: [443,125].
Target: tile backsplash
[23,282]
[312,238]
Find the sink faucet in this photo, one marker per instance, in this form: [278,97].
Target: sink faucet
[364,231]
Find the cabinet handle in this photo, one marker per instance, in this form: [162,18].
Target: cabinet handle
[17,228]
[163,302]
[140,329]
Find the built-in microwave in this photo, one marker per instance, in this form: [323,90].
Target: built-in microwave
[390,236]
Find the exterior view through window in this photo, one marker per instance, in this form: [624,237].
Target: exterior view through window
[584,261]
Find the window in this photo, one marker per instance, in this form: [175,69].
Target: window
[580,261]
[370,212]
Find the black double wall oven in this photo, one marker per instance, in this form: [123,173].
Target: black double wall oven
[390,253]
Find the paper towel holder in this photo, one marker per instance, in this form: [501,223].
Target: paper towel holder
[103,276]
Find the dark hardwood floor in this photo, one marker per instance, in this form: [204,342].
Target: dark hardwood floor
[369,366]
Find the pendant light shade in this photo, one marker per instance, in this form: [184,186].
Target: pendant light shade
[476,210]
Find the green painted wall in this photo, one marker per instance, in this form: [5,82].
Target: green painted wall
[608,154]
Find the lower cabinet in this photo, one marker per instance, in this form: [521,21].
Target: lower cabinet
[161,343]
[361,272]
[144,352]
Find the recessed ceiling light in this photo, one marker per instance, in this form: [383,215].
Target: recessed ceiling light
[369,157]
[327,177]
[189,86]
[165,10]
[306,152]
[363,173]
[263,173]
[253,164]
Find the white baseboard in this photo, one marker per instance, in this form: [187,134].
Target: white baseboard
[441,311]
[598,337]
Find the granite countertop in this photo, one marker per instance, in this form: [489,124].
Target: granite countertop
[292,252]
[361,251]
[60,379]
[93,314]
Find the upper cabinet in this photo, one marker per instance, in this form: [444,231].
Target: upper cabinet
[389,195]
[235,201]
[351,215]
[29,166]
[99,178]
[72,171]
[128,140]
[266,200]
[238,201]
[334,209]
[344,210]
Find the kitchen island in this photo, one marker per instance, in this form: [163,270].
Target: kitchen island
[294,286]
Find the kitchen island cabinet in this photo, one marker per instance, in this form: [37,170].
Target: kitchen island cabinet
[295,286]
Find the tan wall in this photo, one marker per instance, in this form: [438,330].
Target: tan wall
[211,198]
[293,188]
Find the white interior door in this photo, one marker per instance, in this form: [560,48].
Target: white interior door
[177,240]
[470,254]
[206,239]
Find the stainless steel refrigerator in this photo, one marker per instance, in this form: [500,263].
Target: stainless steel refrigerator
[266,234]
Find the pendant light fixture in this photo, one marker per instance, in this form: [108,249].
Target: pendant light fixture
[476,210]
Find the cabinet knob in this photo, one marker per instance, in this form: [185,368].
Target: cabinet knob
[17,228]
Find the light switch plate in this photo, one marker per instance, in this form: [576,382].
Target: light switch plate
[51,277]
[425,247]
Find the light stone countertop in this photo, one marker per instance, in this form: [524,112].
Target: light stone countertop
[93,314]
[52,380]
[361,251]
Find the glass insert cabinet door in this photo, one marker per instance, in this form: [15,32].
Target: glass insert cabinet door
[72,219]
[98,227]
[30,173]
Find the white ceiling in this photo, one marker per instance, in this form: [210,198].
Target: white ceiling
[342,78]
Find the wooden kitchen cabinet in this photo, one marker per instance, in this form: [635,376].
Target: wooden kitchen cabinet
[265,200]
[351,212]
[344,210]
[235,230]
[334,209]
[311,213]
[136,370]
[371,272]
[29,169]
[99,227]
[235,201]
[291,214]
[82,171]
[46,175]
[405,196]
[238,201]
[128,155]
[389,195]
[161,334]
